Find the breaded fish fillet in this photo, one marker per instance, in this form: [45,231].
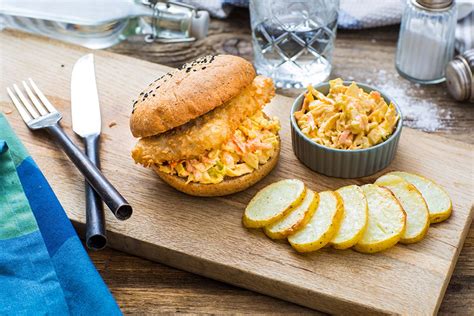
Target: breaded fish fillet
[208,131]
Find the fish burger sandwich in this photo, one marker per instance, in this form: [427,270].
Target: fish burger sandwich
[202,129]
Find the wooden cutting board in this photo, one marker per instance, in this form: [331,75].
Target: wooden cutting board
[205,235]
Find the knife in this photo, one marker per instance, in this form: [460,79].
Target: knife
[86,122]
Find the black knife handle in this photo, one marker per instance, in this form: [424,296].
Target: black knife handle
[96,238]
[117,204]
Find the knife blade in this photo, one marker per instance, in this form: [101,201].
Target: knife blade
[85,107]
[86,122]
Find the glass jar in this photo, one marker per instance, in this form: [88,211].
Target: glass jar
[101,24]
[426,40]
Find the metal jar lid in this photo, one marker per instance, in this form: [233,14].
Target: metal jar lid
[459,76]
[434,4]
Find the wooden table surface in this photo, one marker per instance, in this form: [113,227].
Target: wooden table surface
[142,286]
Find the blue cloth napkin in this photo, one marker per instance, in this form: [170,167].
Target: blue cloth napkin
[44,268]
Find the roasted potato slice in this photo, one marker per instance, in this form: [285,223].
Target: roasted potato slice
[438,201]
[418,219]
[295,219]
[273,202]
[322,226]
[386,220]
[354,218]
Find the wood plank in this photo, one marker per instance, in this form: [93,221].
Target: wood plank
[232,35]
[144,287]
[405,279]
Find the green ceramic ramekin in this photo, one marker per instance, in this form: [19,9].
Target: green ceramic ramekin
[338,162]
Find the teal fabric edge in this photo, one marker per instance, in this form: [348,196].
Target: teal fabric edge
[82,287]
[18,151]
[28,278]
[16,216]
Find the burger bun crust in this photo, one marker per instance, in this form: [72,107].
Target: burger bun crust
[189,92]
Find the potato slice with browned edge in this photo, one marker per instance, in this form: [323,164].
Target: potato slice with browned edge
[354,219]
[295,219]
[438,201]
[418,219]
[386,220]
[273,202]
[322,226]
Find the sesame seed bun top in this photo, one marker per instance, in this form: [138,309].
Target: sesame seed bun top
[189,92]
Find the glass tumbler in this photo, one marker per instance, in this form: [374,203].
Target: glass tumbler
[293,40]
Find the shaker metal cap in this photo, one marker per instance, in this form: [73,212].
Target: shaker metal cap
[434,4]
[459,77]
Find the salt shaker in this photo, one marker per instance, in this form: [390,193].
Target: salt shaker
[460,76]
[426,40]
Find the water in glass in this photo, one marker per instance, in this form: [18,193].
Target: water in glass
[293,40]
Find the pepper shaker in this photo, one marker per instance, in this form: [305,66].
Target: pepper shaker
[426,40]
[460,76]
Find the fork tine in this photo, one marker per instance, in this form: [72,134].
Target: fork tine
[33,112]
[35,100]
[43,99]
[23,112]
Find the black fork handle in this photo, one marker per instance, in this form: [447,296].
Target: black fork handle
[96,238]
[111,197]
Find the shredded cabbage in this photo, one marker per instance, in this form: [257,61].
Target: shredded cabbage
[252,144]
[347,118]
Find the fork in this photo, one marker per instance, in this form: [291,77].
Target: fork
[41,114]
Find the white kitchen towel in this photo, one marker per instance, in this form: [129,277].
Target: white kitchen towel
[360,14]
[465,33]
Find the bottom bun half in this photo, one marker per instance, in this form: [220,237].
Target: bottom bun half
[228,186]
